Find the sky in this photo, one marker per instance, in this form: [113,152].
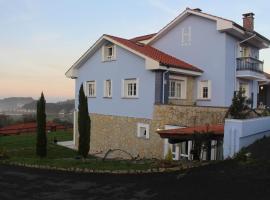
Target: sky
[41,39]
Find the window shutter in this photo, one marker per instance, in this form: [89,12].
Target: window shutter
[123,88]
[184,89]
[209,89]
[104,89]
[103,53]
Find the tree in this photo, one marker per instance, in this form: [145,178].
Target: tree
[41,145]
[239,106]
[84,124]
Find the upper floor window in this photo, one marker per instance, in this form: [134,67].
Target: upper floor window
[130,88]
[204,89]
[108,52]
[177,87]
[186,36]
[108,88]
[91,88]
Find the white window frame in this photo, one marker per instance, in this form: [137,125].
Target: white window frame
[139,134]
[125,88]
[105,53]
[183,87]
[246,88]
[186,36]
[201,85]
[87,89]
[107,91]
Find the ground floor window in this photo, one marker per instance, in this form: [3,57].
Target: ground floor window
[143,130]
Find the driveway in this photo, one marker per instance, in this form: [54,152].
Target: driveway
[206,183]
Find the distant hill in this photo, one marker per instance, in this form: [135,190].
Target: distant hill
[59,107]
[14,103]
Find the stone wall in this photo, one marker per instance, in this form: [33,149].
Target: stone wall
[188,115]
[116,132]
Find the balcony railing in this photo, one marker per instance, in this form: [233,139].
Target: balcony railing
[249,63]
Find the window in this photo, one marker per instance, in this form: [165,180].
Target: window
[143,131]
[108,52]
[245,88]
[186,36]
[177,87]
[91,88]
[108,88]
[130,89]
[204,89]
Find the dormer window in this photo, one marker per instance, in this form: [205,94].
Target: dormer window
[108,52]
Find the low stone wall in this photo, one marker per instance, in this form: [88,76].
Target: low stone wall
[187,115]
[116,132]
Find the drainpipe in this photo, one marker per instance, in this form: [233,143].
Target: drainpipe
[236,55]
[163,86]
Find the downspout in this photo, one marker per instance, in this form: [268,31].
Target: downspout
[163,86]
[236,55]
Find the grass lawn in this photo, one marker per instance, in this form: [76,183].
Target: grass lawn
[21,149]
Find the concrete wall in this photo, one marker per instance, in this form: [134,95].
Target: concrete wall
[126,65]
[241,133]
[206,51]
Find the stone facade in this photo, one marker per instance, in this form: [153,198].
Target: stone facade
[116,132]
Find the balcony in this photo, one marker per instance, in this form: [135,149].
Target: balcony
[250,68]
[249,63]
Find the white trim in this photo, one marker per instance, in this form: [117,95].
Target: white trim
[105,92]
[182,71]
[125,91]
[143,125]
[200,92]
[87,83]
[183,81]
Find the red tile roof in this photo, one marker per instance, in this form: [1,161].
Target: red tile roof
[217,129]
[143,37]
[156,54]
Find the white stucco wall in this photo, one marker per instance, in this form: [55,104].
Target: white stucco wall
[241,133]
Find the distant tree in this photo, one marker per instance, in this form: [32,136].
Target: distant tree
[41,143]
[84,124]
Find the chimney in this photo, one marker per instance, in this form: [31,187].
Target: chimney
[197,9]
[248,21]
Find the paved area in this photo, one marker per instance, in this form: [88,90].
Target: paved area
[68,144]
[26,184]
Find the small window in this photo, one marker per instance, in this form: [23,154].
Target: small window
[177,87]
[130,88]
[204,89]
[108,88]
[143,131]
[91,88]
[245,88]
[186,36]
[108,52]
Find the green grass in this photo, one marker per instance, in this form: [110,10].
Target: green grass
[21,149]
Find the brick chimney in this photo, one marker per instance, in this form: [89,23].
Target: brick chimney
[248,21]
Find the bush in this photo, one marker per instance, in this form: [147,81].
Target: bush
[169,156]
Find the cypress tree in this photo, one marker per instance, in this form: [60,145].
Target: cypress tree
[41,144]
[84,124]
